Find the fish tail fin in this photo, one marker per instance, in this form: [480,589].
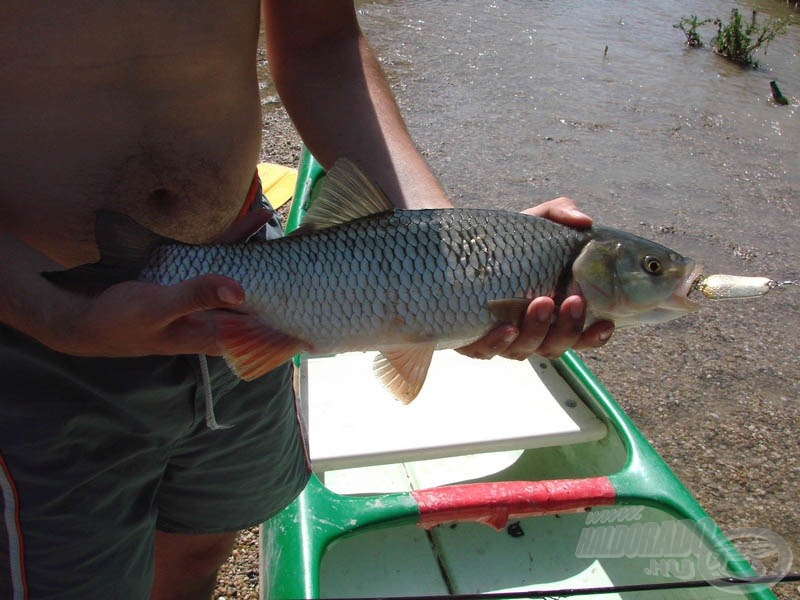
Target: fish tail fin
[125,248]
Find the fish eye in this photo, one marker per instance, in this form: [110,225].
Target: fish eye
[652,265]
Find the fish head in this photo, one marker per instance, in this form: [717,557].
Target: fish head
[632,281]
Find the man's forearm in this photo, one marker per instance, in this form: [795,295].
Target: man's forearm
[28,302]
[340,102]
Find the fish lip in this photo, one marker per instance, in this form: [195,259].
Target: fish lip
[683,291]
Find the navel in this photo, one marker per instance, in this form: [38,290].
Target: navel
[163,200]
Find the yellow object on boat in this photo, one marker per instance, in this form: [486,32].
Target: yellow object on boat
[278,182]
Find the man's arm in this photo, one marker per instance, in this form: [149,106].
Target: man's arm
[333,88]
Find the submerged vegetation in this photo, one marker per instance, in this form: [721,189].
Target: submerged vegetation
[738,39]
[689,25]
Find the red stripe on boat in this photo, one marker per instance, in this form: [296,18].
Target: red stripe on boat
[496,503]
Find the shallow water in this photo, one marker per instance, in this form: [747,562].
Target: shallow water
[518,102]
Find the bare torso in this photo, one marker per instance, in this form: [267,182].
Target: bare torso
[147,107]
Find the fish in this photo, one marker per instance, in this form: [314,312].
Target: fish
[362,275]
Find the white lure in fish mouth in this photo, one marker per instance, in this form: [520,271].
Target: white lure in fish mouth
[683,291]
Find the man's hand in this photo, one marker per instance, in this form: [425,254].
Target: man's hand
[545,331]
[134,318]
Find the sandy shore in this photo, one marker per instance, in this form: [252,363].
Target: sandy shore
[717,400]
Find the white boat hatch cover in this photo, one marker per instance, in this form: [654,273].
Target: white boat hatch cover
[465,407]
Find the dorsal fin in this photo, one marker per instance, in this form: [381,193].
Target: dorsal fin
[346,194]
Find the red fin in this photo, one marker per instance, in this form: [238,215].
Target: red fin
[403,372]
[252,349]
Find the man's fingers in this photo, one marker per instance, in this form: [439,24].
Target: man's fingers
[595,335]
[567,329]
[535,326]
[189,326]
[493,343]
[561,210]
[201,293]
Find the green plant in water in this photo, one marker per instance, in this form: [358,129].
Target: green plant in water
[738,39]
[689,25]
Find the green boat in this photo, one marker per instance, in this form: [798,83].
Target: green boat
[544,489]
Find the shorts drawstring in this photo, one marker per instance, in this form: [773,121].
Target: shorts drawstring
[211,419]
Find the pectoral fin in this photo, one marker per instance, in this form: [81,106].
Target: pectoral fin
[403,372]
[509,310]
[251,348]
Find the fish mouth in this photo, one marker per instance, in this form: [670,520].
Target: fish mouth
[687,286]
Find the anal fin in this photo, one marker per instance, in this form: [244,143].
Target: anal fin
[403,371]
[251,348]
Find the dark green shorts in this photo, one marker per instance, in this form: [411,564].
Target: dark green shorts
[96,454]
